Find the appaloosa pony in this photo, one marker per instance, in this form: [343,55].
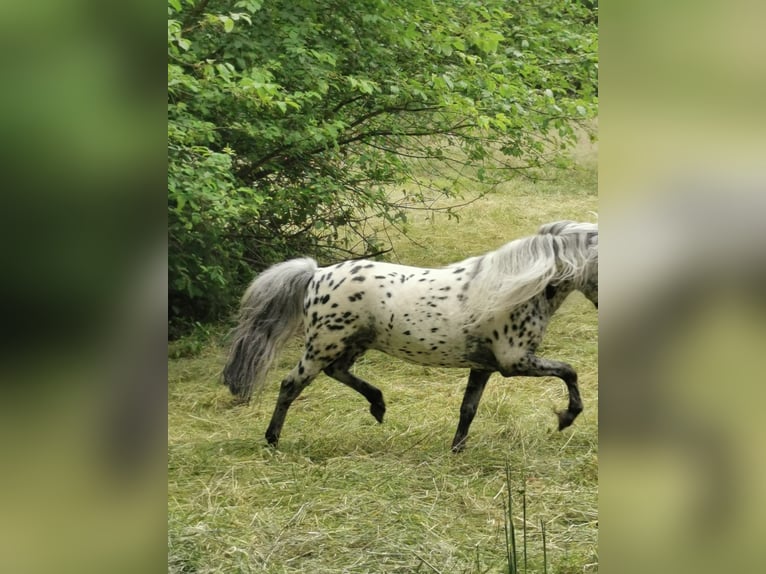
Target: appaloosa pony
[486,313]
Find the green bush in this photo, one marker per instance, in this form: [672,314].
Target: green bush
[292,122]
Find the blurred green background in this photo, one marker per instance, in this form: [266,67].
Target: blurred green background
[83,214]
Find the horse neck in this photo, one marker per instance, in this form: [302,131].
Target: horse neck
[556,293]
[564,283]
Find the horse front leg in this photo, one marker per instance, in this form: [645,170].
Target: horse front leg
[477,380]
[532,366]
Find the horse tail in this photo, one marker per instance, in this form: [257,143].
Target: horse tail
[271,311]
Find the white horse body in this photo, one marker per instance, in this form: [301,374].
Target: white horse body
[422,316]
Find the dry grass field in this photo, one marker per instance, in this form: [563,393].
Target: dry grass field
[344,494]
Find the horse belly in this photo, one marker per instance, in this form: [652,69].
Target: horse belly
[423,348]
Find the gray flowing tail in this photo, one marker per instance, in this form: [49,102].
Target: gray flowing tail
[271,311]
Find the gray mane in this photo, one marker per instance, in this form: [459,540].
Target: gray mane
[521,269]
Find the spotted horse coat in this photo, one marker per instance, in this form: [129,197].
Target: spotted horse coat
[487,314]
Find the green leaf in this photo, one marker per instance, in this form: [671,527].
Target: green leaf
[251,6]
[322,109]
[228,23]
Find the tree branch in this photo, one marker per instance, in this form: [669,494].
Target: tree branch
[193,15]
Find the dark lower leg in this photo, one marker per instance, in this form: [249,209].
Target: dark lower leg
[533,366]
[574,408]
[288,392]
[373,394]
[477,380]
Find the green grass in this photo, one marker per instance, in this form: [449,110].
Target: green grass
[344,494]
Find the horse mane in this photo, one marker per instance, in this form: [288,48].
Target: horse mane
[521,269]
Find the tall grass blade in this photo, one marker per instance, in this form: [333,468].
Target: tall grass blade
[510,531]
[545,553]
[524,518]
[508,547]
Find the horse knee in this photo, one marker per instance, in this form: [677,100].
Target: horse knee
[568,375]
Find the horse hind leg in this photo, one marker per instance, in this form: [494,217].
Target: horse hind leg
[340,371]
[477,380]
[292,386]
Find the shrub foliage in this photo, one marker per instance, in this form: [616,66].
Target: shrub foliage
[307,127]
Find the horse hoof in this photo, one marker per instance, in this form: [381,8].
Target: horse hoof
[458,446]
[378,411]
[565,419]
[238,401]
